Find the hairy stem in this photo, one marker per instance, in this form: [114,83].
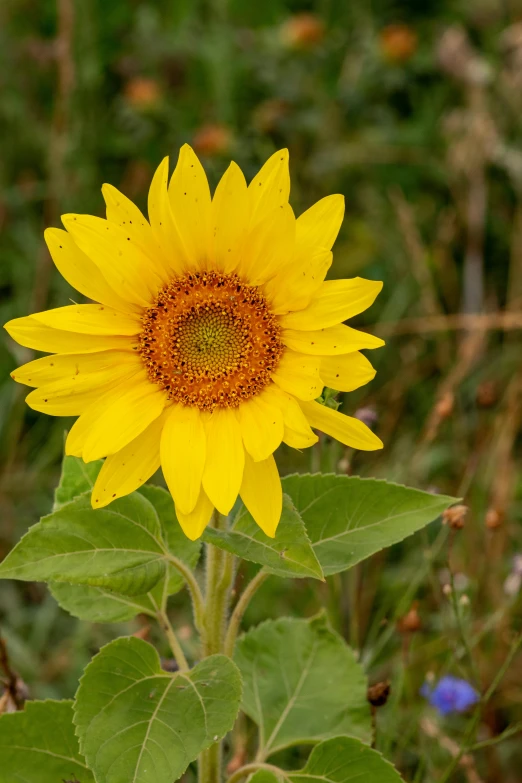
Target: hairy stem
[239,610]
[249,769]
[177,652]
[198,604]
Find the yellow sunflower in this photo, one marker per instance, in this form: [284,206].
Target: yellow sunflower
[212,334]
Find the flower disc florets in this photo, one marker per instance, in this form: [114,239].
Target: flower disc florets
[210,340]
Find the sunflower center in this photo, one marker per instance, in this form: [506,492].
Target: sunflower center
[210,340]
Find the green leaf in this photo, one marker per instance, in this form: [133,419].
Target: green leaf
[38,745]
[119,547]
[338,760]
[289,554]
[97,605]
[301,684]
[138,723]
[348,519]
[77,477]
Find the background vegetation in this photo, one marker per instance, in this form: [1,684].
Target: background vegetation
[414,112]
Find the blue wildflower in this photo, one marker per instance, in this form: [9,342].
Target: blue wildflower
[450,694]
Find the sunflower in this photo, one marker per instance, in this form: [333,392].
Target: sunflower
[211,336]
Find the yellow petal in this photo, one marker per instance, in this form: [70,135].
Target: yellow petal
[80,272]
[262,494]
[90,319]
[129,468]
[194,524]
[33,334]
[319,225]
[345,429]
[183,452]
[225,459]
[122,262]
[50,369]
[346,373]
[268,246]
[189,196]
[229,216]
[330,341]
[261,426]
[298,374]
[270,188]
[334,302]
[122,416]
[162,222]
[296,283]
[297,432]
[73,394]
[128,216]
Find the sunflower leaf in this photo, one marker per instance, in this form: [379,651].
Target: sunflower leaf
[348,519]
[338,760]
[137,722]
[39,745]
[76,478]
[301,684]
[289,554]
[119,548]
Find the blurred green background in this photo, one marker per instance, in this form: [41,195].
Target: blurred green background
[412,110]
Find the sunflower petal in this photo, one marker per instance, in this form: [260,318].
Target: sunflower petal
[121,261]
[270,188]
[262,494]
[189,196]
[261,426]
[122,415]
[129,468]
[229,215]
[297,432]
[183,451]
[334,302]
[225,459]
[268,246]
[296,283]
[162,222]
[122,211]
[90,319]
[50,369]
[319,225]
[80,272]
[194,524]
[298,374]
[31,333]
[345,429]
[346,373]
[330,341]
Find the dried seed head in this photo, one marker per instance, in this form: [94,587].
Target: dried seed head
[455,517]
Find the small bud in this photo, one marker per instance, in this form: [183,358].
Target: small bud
[411,622]
[398,42]
[142,93]
[455,517]
[378,694]
[494,518]
[464,600]
[446,589]
[212,139]
[302,31]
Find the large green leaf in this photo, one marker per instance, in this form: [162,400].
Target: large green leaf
[301,683]
[288,554]
[348,519]
[77,477]
[38,745]
[97,605]
[138,723]
[119,547]
[338,760]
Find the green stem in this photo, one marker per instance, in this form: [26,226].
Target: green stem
[219,575]
[239,610]
[198,604]
[175,646]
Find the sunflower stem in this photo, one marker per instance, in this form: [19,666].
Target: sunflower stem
[220,568]
[239,610]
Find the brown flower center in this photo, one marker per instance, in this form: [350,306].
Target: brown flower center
[210,340]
